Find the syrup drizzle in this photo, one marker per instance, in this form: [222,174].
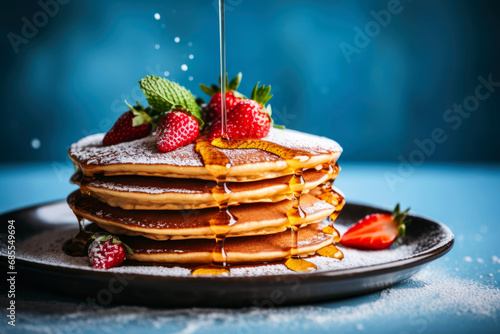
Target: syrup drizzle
[295,216]
[333,196]
[295,160]
[221,223]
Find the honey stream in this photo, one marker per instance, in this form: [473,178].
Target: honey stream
[336,198]
[295,160]
[221,223]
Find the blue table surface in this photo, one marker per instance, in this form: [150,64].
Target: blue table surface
[457,293]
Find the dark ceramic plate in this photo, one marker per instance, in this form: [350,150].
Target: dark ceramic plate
[265,291]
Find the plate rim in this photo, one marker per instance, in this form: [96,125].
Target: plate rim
[433,253]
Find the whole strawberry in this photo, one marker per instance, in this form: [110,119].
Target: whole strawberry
[176,129]
[214,106]
[249,119]
[133,124]
[107,251]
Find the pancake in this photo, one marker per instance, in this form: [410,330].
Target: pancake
[141,157]
[253,219]
[132,192]
[273,247]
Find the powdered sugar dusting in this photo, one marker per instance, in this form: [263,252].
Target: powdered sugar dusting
[296,139]
[46,248]
[90,151]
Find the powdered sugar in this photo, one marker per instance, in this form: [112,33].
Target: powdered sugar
[90,151]
[301,140]
[46,248]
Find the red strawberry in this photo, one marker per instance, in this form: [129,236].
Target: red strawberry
[176,129]
[249,119]
[107,251]
[214,106]
[134,124]
[377,231]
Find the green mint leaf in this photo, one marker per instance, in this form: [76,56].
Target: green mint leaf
[163,94]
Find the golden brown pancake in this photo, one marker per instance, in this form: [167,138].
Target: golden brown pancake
[141,157]
[273,247]
[132,192]
[252,219]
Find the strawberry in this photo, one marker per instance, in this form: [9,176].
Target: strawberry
[133,124]
[214,106]
[176,129]
[107,251]
[249,119]
[377,231]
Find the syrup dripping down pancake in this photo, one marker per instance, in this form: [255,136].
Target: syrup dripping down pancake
[265,248]
[155,193]
[141,157]
[253,219]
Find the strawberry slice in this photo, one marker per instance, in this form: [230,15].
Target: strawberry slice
[377,231]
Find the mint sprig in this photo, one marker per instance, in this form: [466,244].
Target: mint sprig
[163,94]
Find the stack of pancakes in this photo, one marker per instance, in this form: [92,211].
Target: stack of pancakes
[164,204]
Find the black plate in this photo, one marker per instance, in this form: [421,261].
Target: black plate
[268,291]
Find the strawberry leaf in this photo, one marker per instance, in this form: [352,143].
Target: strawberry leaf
[235,82]
[401,221]
[128,249]
[261,94]
[101,237]
[163,94]
[230,87]
[208,90]
[277,126]
[141,116]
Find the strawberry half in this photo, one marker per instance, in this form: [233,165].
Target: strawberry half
[107,251]
[377,231]
[249,119]
[176,129]
[133,124]
[214,106]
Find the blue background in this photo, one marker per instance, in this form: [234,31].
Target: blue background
[71,78]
